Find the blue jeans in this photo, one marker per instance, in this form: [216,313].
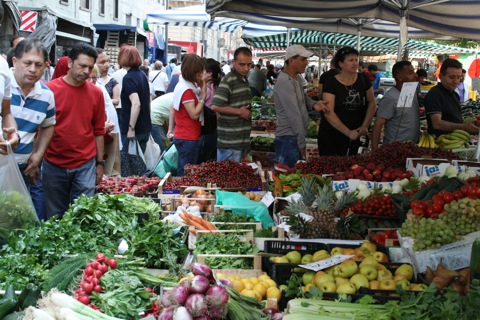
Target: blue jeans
[286,150]
[230,154]
[142,139]
[159,135]
[187,153]
[36,192]
[62,186]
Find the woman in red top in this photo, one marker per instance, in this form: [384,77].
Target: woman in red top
[188,103]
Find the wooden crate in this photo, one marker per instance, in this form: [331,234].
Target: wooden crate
[258,225]
[163,194]
[240,272]
[257,259]
[176,201]
[193,238]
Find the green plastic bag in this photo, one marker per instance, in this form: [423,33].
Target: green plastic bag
[168,163]
[240,204]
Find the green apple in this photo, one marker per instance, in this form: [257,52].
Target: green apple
[348,288]
[328,286]
[369,271]
[403,283]
[359,280]
[380,256]
[339,281]
[369,260]
[387,284]
[384,274]
[294,257]
[308,277]
[368,247]
[347,268]
[418,287]
[323,278]
[306,259]
[281,259]
[335,251]
[405,270]
[320,255]
[330,270]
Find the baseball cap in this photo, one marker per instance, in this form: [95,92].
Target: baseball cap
[297,50]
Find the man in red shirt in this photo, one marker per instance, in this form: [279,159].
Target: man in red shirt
[74,159]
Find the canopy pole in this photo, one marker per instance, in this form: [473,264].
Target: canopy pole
[359,38]
[166,37]
[402,39]
[288,37]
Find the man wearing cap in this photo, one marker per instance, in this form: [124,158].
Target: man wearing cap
[292,105]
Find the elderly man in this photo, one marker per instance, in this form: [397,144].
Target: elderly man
[291,106]
[33,107]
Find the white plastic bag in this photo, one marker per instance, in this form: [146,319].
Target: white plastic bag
[152,154]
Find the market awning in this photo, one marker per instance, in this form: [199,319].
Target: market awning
[114,27]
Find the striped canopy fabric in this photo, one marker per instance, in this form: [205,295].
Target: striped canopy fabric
[454,18]
[367,44]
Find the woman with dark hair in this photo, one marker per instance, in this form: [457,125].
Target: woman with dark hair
[351,106]
[188,103]
[208,141]
[135,99]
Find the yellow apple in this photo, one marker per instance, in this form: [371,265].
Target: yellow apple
[359,280]
[369,261]
[306,259]
[368,247]
[349,251]
[387,284]
[324,278]
[308,277]
[380,256]
[374,284]
[294,256]
[330,270]
[369,271]
[320,255]
[403,283]
[418,287]
[348,288]
[347,268]
[335,251]
[339,281]
[405,270]
[328,286]
[381,267]
[398,277]
[384,274]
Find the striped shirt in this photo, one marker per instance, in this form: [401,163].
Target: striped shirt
[233,131]
[30,112]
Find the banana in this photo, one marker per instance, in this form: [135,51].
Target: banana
[432,141]
[457,145]
[464,133]
[459,136]
[447,139]
[421,143]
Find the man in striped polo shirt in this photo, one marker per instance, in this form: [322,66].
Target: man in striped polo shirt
[33,107]
[232,102]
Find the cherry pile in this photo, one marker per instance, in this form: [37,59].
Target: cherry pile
[375,205]
[225,174]
[91,278]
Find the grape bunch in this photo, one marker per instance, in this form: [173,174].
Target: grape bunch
[463,215]
[428,233]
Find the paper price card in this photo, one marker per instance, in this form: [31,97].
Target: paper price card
[324,264]
[268,199]
[409,90]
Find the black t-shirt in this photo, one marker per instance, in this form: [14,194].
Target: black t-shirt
[441,100]
[328,74]
[351,108]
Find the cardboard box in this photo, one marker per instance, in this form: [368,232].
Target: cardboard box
[464,165]
[428,167]
[351,184]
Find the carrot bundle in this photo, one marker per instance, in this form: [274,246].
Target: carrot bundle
[197,222]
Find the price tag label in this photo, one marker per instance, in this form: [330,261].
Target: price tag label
[324,264]
[268,199]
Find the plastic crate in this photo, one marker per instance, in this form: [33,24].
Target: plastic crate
[467,153]
[330,246]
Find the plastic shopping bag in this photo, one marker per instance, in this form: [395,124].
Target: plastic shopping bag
[168,163]
[152,154]
[133,161]
[17,210]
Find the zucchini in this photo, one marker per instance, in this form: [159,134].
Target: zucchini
[420,194]
[32,297]
[9,293]
[24,293]
[7,307]
[475,260]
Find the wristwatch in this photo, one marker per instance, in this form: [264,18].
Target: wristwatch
[18,136]
[201,101]
[101,163]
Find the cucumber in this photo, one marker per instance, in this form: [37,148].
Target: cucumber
[7,307]
[9,293]
[32,297]
[475,260]
[420,194]
[23,294]
[18,315]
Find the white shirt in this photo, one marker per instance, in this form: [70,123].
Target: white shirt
[159,80]
[5,89]
[118,75]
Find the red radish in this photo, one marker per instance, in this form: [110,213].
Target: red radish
[106,261]
[94,281]
[98,273]
[103,268]
[112,263]
[199,284]
[84,299]
[88,271]
[202,269]
[95,264]
[100,257]
[196,305]
[87,287]
[97,288]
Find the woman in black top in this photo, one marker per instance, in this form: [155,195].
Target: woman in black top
[351,106]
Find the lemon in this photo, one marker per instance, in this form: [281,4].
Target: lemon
[249,293]
[232,278]
[238,285]
[266,284]
[260,288]
[254,280]
[273,292]
[248,285]
[246,280]
[258,296]
[220,275]
[271,283]
[263,277]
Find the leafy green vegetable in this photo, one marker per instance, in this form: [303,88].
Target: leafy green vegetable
[266,233]
[229,216]
[19,270]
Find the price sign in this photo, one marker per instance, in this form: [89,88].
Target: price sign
[409,90]
[268,199]
[324,264]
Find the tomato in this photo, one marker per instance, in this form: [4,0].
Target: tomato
[458,195]
[466,191]
[422,205]
[476,191]
[437,208]
[418,212]
[438,199]
[448,197]
[430,212]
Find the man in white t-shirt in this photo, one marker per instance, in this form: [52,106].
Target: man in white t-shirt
[8,121]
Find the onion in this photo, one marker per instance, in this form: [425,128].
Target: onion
[217,296]
[200,284]
[199,192]
[174,297]
[167,314]
[203,318]
[217,312]
[227,282]
[201,269]
[181,313]
[196,305]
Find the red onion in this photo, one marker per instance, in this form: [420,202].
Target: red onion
[202,269]
[181,313]
[174,297]
[203,318]
[226,282]
[217,296]
[199,284]
[167,314]
[196,305]
[217,312]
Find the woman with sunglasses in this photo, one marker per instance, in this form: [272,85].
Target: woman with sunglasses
[351,106]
